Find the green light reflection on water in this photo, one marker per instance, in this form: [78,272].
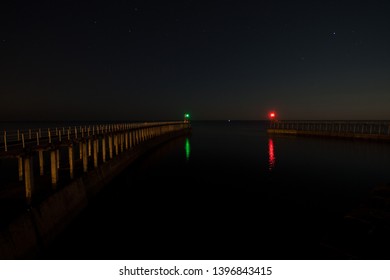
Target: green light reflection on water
[187,147]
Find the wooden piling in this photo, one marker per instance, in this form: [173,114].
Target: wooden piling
[58,159]
[28,179]
[85,157]
[71,161]
[20,168]
[95,154]
[104,148]
[110,146]
[89,147]
[136,137]
[53,168]
[116,145]
[121,141]
[126,140]
[41,162]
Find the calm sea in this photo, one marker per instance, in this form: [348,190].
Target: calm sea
[230,191]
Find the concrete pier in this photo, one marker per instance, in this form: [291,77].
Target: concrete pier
[60,143]
[368,130]
[31,231]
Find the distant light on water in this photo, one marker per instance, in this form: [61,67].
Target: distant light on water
[186,117]
[271,155]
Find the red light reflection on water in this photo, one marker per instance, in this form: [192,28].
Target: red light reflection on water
[271,155]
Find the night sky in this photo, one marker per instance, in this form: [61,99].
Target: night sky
[218,60]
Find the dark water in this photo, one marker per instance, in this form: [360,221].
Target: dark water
[229,191]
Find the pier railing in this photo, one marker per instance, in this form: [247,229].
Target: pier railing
[347,127]
[29,138]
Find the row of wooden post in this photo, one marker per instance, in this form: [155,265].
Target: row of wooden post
[114,142]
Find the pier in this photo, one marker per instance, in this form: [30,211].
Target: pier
[369,130]
[59,170]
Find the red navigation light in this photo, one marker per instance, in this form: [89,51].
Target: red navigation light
[272,115]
